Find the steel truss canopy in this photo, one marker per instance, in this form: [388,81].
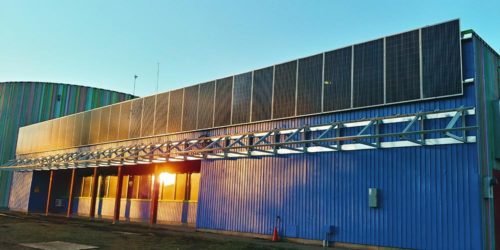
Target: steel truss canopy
[410,130]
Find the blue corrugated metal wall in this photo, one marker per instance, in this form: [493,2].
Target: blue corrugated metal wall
[430,196]
[425,195]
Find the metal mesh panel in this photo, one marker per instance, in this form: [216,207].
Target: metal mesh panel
[206,105]
[114,123]
[161,116]
[62,134]
[402,67]
[87,118]
[135,118]
[262,94]
[337,82]
[309,85]
[36,137]
[441,59]
[103,128]
[125,110]
[175,111]
[148,116]
[68,135]
[285,84]
[242,95]
[368,78]
[190,108]
[94,126]
[77,135]
[21,145]
[42,143]
[223,93]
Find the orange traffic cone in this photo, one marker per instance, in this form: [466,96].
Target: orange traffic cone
[275,234]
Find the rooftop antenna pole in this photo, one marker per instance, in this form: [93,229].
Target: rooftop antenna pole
[135,78]
[157,77]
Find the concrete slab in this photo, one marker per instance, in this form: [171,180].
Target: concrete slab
[57,245]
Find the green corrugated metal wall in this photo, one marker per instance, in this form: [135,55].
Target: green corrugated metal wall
[24,103]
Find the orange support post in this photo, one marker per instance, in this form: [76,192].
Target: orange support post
[118,196]
[47,206]
[153,207]
[95,181]
[70,198]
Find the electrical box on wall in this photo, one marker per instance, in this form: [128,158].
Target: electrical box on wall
[373,197]
[496,129]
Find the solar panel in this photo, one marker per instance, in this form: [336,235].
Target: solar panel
[368,76]
[262,94]
[309,85]
[441,60]
[402,67]
[223,97]
[175,111]
[161,115]
[337,82]
[190,108]
[206,105]
[242,95]
[285,76]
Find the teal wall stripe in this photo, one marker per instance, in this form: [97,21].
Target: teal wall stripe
[25,103]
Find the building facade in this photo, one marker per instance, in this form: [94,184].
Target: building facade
[388,143]
[25,103]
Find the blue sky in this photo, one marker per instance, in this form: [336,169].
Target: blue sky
[104,43]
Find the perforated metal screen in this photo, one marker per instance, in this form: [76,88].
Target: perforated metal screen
[309,85]
[285,85]
[415,65]
[206,105]
[242,95]
[262,94]
[190,111]
[223,99]
[337,82]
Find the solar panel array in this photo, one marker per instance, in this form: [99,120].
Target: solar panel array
[411,66]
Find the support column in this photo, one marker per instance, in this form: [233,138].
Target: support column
[153,206]
[95,182]
[49,192]
[70,198]
[118,195]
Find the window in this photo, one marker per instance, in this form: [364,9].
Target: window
[144,187]
[179,187]
[86,186]
[194,187]
[167,186]
[111,186]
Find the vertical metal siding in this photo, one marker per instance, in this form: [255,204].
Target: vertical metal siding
[425,195]
[24,103]
[429,196]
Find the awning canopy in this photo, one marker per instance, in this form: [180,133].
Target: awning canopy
[419,129]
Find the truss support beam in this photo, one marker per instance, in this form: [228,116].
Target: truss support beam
[371,133]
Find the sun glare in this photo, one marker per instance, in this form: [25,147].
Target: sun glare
[167,179]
